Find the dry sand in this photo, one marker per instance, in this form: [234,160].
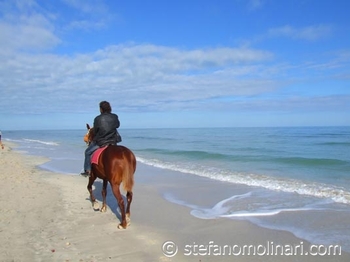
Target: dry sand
[48,217]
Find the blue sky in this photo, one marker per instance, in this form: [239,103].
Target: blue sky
[180,63]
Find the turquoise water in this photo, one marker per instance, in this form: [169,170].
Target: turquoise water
[311,161]
[295,176]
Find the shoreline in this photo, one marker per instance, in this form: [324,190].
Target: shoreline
[48,217]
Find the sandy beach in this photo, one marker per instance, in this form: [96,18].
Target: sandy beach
[47,216]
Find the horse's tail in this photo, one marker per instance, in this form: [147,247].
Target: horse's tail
[128,176]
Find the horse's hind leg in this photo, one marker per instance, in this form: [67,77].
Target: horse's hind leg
[129,195]
[92,179]
[120,200]
[104,194]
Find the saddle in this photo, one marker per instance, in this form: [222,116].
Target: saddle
[96,155]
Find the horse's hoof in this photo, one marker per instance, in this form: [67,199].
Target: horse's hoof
[128,221]
[103,209]
[95,205]
[121,227]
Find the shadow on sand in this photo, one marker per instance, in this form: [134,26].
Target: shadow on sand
[111,201]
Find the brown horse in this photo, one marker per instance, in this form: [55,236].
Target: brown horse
[116,165]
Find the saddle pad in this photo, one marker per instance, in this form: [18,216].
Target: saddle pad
[96,155]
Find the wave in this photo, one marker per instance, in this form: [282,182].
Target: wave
[33,141]
[12,140]
[334,144]
[320,190]
[220,210]
[192,154]
[310,161]
[258,157]
[257,207]
[227,208]
[42,142]
[147,138]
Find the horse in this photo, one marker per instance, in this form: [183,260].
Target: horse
[116,165]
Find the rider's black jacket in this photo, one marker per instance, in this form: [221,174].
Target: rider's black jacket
[105,129]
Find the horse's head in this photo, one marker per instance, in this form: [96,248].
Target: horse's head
[89,135]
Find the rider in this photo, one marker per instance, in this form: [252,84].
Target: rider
[1,144]
[105,133]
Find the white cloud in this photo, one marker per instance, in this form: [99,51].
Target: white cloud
[25,25]
[290,104]
[28,32]
[86,25]
[91,14]
[134,75]
[310,33]
[147,77]
[88,6]
[143,78]
[255,4]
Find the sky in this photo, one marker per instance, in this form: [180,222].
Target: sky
[174,63]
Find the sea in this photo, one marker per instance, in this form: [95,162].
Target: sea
[298,177]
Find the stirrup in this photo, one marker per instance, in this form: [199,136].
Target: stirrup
[86,174]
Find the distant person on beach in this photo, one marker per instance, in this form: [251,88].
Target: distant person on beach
[2,145]
[105,133]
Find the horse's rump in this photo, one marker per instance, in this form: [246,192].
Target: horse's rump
[121,159]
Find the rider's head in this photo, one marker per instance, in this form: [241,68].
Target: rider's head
[105,107]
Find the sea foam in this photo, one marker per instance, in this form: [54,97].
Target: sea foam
[337,194]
